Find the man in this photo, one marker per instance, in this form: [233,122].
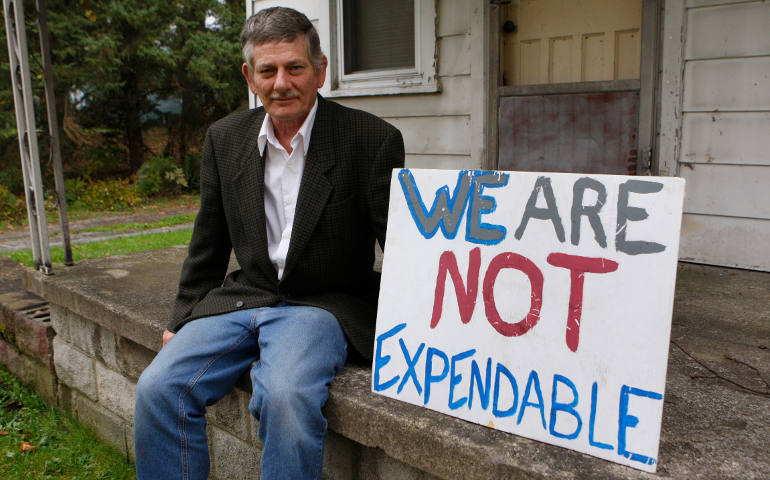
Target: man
[298,190]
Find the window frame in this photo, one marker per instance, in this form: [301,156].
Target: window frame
[419,79]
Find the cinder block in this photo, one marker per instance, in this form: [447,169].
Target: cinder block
[130,442]
[83,333]
[233,458]
[106,348]
[30,372]
[108,426]
[60,321]
[374,463]
[40,378]
[338,457]
[7,324]
[132,358]
[65,398]
[9,357]
[116,393]
[231,413]
[33,338]
[74,368]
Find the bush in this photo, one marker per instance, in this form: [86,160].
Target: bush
[160,176]
[74,188]
[116,194]
[12,209]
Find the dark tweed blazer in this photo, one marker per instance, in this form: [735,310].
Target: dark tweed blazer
[341,209]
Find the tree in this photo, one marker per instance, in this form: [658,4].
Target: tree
[206,73]
[119,58]
[112,57]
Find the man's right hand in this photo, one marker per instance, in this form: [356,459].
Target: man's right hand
[167,336]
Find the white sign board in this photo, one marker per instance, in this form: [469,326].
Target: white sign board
[535,303]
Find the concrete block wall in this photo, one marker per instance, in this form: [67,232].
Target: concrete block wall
[26,347]
[106,337]
[97,372]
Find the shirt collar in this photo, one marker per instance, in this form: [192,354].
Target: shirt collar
[267,133]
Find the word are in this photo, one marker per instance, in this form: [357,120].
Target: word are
[447,210]
[502,390]
[467,292]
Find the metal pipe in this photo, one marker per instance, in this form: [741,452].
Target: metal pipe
[53,130]
[25,125]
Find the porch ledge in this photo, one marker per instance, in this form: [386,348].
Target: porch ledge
[712,428]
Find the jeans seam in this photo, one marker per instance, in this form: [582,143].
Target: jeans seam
[190,385]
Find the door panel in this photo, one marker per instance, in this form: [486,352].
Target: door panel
[586,40]
[590,133]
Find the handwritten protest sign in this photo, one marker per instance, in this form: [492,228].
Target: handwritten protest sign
[534,303]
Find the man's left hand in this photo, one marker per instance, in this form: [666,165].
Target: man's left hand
[167,336]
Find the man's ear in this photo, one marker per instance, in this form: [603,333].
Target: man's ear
[247,75]
[321,76]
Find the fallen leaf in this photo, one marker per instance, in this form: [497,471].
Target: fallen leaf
[12,406]
[27,447]
[3,433]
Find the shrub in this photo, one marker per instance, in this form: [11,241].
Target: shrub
[12,209]
[116,194]
[160,176]
[74,188]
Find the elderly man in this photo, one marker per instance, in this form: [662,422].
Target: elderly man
[298,190]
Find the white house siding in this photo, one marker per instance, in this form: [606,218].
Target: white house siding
[442,129]
[725,133]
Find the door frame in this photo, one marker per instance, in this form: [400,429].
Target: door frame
[647,85]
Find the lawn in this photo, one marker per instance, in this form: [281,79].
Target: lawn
[39,442]
[123,227]
[114,246]
[158,207]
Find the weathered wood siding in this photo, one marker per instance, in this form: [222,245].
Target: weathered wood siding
[443,129]
[725,133]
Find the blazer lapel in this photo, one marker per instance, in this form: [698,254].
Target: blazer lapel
[315,188]
[250,184]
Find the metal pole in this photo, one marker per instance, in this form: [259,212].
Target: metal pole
[53,130]
[25,125]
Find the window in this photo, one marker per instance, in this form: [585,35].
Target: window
[384,47]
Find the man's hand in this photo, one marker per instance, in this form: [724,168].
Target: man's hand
[167,335]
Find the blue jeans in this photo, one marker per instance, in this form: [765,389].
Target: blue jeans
[298,350]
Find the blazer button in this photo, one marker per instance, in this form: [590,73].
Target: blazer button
[239,303]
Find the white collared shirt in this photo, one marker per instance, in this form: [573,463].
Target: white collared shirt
[283,174]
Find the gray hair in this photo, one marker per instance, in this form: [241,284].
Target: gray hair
[280,24]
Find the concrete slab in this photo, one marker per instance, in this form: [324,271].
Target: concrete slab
[716,421]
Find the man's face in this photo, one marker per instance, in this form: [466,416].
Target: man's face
[284,80]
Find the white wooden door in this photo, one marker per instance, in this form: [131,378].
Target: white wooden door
[570,96]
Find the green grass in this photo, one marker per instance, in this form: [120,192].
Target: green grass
[114,246]
[64,448]
[122,227]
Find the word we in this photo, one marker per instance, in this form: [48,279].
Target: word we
[447,210]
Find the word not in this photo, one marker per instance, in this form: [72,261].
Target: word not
[577,265]
[447,210]
[504,395]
